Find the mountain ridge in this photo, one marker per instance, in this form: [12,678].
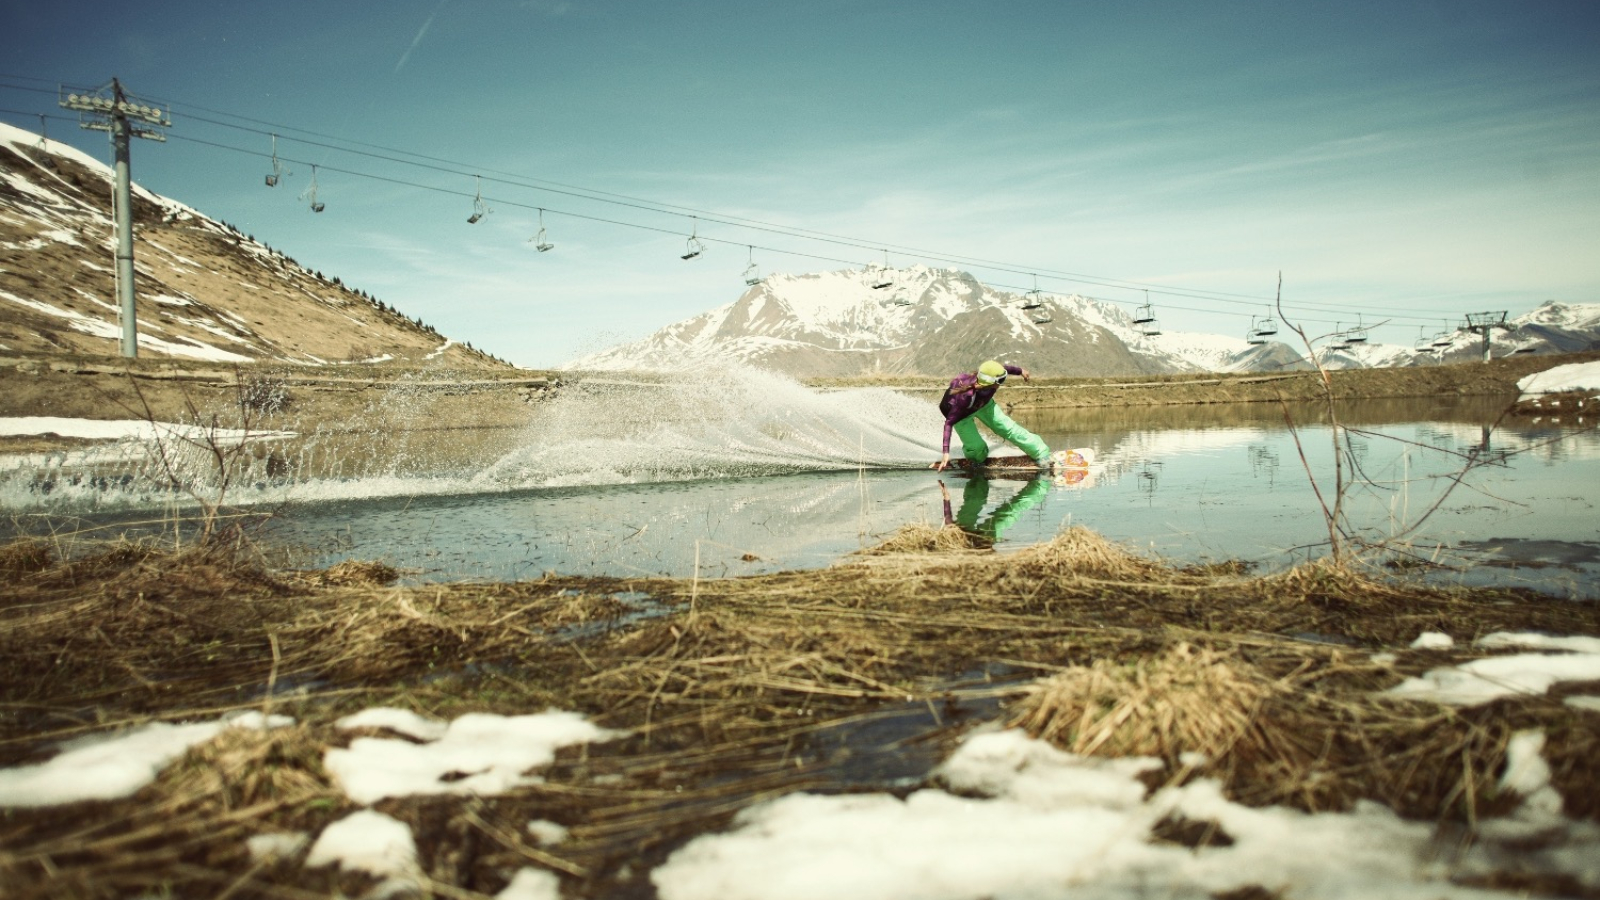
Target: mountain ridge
[926,321]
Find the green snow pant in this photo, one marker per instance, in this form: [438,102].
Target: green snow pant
[976,495]
[990,414]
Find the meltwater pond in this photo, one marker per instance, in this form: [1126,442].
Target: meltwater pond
[1188,484]
[763,474]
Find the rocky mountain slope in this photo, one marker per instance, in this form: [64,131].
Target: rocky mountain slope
[204,290]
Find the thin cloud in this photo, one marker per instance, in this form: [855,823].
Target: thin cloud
[418,39]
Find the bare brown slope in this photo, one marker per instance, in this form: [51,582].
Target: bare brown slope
[200,283]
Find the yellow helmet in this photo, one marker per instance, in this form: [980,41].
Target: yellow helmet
[991,372]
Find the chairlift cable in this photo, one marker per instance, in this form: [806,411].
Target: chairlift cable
[641,204]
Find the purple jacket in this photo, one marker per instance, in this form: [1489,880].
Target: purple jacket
[964,397]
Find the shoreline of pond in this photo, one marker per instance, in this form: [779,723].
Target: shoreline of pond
[272,396]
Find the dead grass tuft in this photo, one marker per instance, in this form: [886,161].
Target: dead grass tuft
[360,572]
[1078,551]
[1187,700]
[927,539]
[25,557]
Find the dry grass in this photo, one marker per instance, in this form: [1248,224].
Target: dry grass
[1185,700]
[732,690]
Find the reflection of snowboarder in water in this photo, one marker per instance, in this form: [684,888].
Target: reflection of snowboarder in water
[970,400]
[976,495]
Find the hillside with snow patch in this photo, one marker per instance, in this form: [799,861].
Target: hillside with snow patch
[204,290]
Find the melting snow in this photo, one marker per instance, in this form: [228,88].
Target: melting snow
[1022,819]
[491,751]
[1482,680]
[371,842]
[1570,377]
[105,767]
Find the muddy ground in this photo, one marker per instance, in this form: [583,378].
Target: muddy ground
[856,677]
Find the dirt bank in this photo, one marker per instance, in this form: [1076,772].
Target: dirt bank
[373,398]
[1495,378]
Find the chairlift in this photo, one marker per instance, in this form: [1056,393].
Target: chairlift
[1032,300]
[1252,336]
[882,277]
[279,170]
[1443,339]
[1145,318]
[1264,326]
[752,273]
[1043,318]
[538,241]
[310,193]
[693,247]
[1424,344]
[479,208]
[1358,334]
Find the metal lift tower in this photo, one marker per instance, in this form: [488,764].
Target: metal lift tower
[124,119]
[1486,322]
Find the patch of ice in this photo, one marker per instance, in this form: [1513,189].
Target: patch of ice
[1433,640]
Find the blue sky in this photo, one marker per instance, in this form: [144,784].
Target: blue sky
[1400,161]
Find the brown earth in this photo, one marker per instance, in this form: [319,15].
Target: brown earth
[1495,378]
[732,691]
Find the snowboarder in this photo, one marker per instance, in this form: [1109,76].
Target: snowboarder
[969,400]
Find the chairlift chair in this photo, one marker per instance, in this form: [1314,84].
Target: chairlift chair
[693,247]
[1252,336]
[479,208]
[279,170]
[881,277]
[752,273]
[1145,318]
[1032,300]
[1358,334]
[538,241]
[1442,339]
[310,193]
[1264,326]
[1424,344]
[1043,318]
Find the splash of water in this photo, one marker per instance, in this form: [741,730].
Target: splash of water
[731,421]
[725,421]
